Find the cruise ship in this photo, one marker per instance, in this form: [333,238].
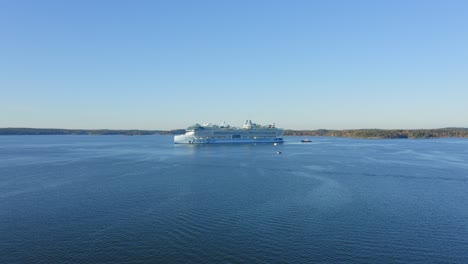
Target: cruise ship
[215,134]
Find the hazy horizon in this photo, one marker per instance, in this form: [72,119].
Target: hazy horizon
[162,65]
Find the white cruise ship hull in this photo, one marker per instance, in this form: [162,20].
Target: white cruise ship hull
[183,139]
[250,133]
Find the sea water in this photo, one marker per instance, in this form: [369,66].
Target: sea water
[142,199]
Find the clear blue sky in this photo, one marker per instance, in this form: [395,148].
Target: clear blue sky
[169,64]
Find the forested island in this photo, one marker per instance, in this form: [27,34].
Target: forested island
[56,131]
[352,133]
[383,133]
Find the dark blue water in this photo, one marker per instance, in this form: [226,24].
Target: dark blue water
[141,199]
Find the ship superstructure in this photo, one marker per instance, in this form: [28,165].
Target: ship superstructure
[214,134]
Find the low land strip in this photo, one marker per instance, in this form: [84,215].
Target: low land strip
[352,133]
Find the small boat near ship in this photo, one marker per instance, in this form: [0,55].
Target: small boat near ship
[306,140]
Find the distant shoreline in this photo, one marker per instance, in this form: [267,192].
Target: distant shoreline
[57,131]
[350,133]
[384,133]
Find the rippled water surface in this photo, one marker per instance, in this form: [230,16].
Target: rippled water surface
[141,199]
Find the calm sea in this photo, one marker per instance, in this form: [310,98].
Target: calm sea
[141,199]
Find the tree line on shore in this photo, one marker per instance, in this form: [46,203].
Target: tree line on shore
[353,133]
[55,131]
[383,133]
